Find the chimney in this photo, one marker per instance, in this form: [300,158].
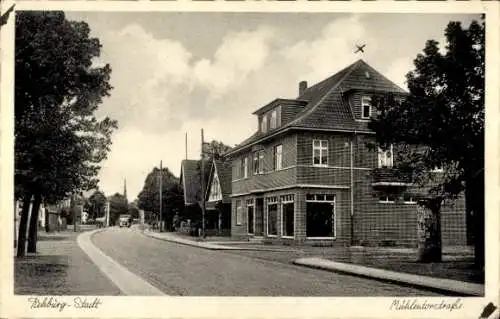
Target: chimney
[302,87]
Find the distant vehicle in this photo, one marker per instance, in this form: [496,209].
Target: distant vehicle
[124,221]
[85,217]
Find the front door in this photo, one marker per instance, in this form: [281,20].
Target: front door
[250,220]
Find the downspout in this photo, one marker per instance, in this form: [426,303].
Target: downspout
[352,188]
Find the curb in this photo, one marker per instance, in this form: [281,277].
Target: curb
[129,283]
[209,246]
[430,283]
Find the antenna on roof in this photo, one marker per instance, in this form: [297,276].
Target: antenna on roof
[186,145]
[360,48]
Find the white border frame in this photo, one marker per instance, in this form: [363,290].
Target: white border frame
[148,307]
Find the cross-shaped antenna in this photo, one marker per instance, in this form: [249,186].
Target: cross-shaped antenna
[360,48]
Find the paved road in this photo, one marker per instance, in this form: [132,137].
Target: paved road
[189,271]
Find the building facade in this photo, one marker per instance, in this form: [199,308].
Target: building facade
[218,200]
[309,175]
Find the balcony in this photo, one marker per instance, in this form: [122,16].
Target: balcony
[390,177]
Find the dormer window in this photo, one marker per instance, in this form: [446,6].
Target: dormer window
[366,107]
[263,124]
[274,119]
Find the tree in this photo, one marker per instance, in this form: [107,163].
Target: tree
[215,149]
[172,198]
[441,123]
[59,142]
[96,204]
[118,205]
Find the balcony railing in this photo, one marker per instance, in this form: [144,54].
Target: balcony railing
[390,177]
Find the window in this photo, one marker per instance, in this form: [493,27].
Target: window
[238,212]
[272,216]
[387,199]
[250,221]
[278,157]
[274,120]
[408,199]
[438,169]
[320,216]
[287,216]
[263,124]
[215,190]
[320,152]
[245,167]
[385,158]
[258,162]
[366,107]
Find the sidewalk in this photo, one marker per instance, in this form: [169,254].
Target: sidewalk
[60,268]
[439,284]
[454,275]
[171,237]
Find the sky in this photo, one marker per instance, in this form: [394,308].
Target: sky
[177,73]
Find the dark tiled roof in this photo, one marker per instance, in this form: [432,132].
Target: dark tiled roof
[190,179]
[327,107]
[224,169]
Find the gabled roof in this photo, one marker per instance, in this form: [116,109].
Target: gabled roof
[327,106]
[224,172]
[190,180]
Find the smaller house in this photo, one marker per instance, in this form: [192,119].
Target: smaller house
[218,197]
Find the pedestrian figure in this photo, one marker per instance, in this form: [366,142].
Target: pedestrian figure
[59,223]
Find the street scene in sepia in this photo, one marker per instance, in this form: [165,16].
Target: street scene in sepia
[249,154]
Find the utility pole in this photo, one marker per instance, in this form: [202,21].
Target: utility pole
[161,197]
[202,186]
[186,145]
[73,207]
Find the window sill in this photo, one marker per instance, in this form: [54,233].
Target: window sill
[410,203]
[320,238]
[238,224]
[320,165]
[386,202]
[288,237]
[272,236]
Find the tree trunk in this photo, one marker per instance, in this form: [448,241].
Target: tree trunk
[474,196]
[429,230]
[33,229]
[23,226]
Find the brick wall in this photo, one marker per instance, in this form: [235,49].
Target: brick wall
[338,148]
[342,220]
[270,178]
[376,222]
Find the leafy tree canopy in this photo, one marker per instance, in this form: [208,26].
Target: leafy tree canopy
[441,121]
[215,149]
[172,198]
[59,142]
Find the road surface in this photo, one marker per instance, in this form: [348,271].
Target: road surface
[184,270]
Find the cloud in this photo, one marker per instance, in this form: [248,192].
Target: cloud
[319,57]
[397,70]
[239,54]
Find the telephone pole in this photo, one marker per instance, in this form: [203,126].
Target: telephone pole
[161,193]
[202,186]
